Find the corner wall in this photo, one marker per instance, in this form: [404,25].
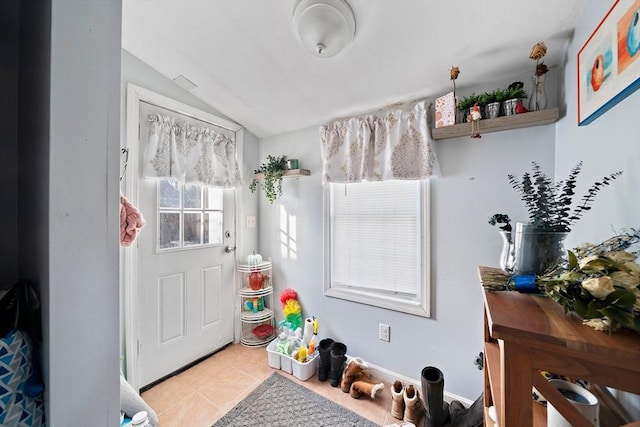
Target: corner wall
[609,144]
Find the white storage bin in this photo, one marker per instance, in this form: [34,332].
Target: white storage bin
[302,371]
[274,356]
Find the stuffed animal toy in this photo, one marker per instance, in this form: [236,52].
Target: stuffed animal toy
[291,308]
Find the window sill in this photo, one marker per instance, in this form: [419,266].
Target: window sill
[390,302]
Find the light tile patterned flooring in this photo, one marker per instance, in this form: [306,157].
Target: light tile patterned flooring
[202,394]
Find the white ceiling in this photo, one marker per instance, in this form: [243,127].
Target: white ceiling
[247,63]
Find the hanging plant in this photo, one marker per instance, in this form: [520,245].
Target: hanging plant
[273,171]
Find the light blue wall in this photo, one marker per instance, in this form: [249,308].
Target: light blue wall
[472,188]
[610,143]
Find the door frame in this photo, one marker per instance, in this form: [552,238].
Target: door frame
[135,95]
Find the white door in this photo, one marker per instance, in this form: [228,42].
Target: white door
[185,286]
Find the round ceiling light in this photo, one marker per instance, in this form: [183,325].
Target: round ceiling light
[324,27]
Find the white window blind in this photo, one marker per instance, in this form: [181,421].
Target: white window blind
[376,243]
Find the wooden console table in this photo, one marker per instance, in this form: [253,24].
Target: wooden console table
[525,333]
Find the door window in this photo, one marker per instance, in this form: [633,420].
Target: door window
[189,215]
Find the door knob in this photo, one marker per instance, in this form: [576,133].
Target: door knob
[229,248]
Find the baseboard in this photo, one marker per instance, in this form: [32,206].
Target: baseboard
[388,377]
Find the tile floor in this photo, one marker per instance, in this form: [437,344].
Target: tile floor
[201,395]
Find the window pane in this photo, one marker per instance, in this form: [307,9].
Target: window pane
[192,229]
[213,198]
[376,236]
[169,194]
[192,196]
[213,228]
[169,230]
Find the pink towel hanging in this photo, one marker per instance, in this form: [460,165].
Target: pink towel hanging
[131,221]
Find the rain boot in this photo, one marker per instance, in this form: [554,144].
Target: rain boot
[413,408]
[338,353]
[436,409]
[324,348]
[467,417]
[397,400]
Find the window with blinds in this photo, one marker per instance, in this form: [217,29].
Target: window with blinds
[376,244]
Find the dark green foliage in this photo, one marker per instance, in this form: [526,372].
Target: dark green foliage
[501,219]
[273,171]
[549,203]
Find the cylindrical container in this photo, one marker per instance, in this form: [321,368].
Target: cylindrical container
[536,250]
[581,398]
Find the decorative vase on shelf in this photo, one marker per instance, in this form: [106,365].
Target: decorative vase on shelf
[538,99]
[507,256]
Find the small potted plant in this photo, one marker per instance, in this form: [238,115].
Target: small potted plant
[492,108]
[464,105]
[513,94]
[273,170]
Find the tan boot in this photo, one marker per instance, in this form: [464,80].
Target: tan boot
[397,400]
[413,408]
[360,388]
[352,372]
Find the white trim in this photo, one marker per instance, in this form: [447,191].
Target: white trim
[388,377]
[421,307]
[135,95]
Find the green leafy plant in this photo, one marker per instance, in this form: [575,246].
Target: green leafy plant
[549,203]
[498,95]
[515,93]
[501,219]
[467,102]
[273,171]
[483,99]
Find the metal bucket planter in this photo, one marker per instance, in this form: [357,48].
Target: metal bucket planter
[509,106]
[492,110]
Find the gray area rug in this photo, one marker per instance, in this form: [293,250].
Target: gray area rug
[279,402]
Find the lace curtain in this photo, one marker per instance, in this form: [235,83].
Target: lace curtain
[190,154]
[391,144]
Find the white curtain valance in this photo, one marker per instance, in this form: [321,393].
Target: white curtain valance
[190,154]
[392,144]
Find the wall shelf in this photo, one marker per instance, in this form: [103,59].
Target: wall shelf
[290,173]
[532,118]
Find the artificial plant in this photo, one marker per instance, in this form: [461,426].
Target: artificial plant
[273,170]
[549,203]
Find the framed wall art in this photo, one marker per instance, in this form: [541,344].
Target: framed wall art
[609,61]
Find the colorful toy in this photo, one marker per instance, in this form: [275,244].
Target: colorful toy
[291,308]
[302,354]
[254,304]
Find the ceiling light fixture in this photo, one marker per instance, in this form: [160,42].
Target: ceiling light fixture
[324,27]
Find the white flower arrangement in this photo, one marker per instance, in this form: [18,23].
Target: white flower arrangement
[601,283]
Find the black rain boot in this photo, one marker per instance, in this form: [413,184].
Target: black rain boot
[467,417]
[338,357]
[436,409]
[324,348]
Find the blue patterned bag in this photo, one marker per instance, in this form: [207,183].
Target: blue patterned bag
[17,408]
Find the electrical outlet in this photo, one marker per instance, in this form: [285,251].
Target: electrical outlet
[384,332]
[251,221]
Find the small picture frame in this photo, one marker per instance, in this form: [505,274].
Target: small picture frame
[609,61]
